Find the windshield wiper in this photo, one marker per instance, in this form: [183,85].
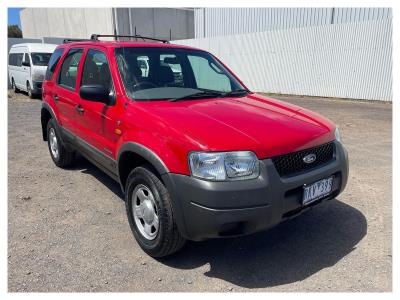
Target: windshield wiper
[211,94]
[236,92]
[198,95]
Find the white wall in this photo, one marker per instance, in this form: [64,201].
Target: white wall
[82,22]
[348,60]
[65,22]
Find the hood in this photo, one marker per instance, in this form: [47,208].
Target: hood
[39,70]
[266,126]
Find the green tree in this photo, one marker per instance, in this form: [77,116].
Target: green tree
[14,31]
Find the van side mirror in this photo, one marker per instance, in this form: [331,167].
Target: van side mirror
[26,63]
[95,93]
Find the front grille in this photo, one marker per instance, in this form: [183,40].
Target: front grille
[292,163]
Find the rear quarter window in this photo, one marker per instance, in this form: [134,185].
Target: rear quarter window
[54,59]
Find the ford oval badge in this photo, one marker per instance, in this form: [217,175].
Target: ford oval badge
[310,158]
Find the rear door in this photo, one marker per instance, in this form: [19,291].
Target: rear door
[65,93]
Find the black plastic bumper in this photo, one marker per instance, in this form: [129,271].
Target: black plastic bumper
[205,209]
[37,87]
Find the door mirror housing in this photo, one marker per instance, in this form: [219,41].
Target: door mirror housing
[95,93]
[26,64]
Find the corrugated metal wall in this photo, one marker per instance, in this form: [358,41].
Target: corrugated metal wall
[227,21]
[346,60]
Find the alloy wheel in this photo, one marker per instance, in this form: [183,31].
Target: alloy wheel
[53,143]
[145,212]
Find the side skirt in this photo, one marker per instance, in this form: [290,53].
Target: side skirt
[96,157]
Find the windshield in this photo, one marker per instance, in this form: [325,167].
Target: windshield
[169,73]
[40,59]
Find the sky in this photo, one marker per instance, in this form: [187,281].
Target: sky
[13,16]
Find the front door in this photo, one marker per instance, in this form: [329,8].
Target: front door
[26,71]
[98,121]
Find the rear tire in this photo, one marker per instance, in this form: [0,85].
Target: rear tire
[14,87]
[60,155]
[146,200]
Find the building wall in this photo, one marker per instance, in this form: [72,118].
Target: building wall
[163,23]
[211,22]
[346,60]
[65,22]
[82,22]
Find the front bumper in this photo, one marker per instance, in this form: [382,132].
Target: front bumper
[37,87]
[205,209]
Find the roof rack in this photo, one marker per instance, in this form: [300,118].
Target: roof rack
[95,37]
[75,40]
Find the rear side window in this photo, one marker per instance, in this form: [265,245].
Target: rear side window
[69,69]
[54,59]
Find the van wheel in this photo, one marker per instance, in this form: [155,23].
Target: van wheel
[60,155]
[14,87]
[29,89]
[150,216]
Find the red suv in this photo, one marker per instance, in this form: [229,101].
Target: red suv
[196,153]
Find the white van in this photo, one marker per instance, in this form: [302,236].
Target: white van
[27,64]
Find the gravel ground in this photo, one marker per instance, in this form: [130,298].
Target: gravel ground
[67,229]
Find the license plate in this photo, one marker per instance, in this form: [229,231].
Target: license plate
[317,190]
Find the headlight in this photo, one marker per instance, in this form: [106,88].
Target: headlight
[38,77]
[224,166]
[337,135]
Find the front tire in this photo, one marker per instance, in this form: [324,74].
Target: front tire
[59,154]
[29,89]
[150,216]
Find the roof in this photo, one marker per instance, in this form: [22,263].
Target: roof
[36,46]
[117,44]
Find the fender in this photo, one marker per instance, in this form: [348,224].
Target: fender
[50,109]
[46,106]
[164,172]
[146,153]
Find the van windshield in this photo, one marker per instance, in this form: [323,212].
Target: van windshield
[171,73]
[40,59]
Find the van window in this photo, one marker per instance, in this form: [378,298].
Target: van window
[69,69]
[96,69]
[12,59]
[15,59]
[54,59]
[26,58]
[40,59]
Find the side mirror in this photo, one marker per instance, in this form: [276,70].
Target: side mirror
[95,92]
[26,64]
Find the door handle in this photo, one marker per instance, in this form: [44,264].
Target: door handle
[80,109]
[55,97]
